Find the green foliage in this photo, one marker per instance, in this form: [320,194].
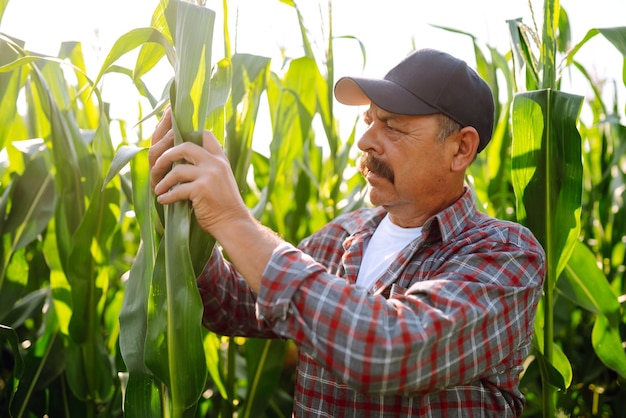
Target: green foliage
[81,234]
[564,178]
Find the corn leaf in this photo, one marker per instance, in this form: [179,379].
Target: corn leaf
[213,350]
[142,392]
[547,170]
[151,53]
[88,273]
[547,180]
[584,283]
[131,40]
[32,205]
[616,35]
[250,75]
[88,114]
[66,150]
[10,83]
[3,5]
[558,369]
[607,343]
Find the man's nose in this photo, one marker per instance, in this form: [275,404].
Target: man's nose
[370,140]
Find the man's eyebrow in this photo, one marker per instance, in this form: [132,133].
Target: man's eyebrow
[382,115]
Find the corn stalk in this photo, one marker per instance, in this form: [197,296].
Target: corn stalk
[547,179]
[161,335]
[174,350]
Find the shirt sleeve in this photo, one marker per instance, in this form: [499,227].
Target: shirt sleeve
[470,318]
[229,303]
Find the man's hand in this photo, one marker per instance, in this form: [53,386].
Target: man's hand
[202,175]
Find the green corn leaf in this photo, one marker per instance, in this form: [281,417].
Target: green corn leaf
[607,343]
[88,273]
[250,74]
[151,53]
[142,395]
[221,83]
[3,5]
[586,285]
[213,350]
[32,207]
[15,312]
[131,40]
[123,156]
[523,59]
[548,47]
[71,206]
[292,104]
[547,180]
[616,35]
[88,113]
[174,351]
[19,62]
[10,84]
[558,369]
[547,170]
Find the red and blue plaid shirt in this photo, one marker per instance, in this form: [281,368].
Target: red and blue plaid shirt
[443,332]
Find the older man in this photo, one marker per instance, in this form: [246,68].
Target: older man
[419,306]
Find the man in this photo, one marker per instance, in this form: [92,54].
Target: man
[421,306]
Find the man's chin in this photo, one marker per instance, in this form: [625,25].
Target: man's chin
[375,196]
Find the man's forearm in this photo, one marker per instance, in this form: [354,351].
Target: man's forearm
[249,246]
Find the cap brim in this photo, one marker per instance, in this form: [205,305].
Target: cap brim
[385,94]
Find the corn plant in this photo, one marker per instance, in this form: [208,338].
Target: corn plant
[60,233]
[545,180]
[548,180]
[164,343]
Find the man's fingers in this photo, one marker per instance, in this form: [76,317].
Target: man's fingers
[163,173]
[182,173]
[211,144]
[159,147]
[164,125]
[175,193]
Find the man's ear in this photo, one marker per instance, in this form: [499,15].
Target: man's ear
[466,144]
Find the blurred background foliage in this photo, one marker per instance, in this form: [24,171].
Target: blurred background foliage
[71,231]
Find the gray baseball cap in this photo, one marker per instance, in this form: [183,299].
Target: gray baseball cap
[424,83]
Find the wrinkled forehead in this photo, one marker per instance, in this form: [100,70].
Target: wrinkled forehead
[376,112]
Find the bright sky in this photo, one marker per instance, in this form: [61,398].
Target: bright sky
[389,29]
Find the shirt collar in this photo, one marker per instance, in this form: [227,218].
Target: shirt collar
[453,220]
[446,224]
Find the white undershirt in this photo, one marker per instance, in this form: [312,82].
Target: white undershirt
[386,242]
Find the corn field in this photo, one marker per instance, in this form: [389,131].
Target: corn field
[99,314]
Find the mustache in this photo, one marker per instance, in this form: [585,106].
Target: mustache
[368,163]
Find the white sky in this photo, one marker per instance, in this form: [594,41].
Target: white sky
[388,28]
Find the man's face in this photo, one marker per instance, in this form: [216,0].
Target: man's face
[404,162]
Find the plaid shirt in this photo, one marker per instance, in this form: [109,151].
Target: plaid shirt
[443,333]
